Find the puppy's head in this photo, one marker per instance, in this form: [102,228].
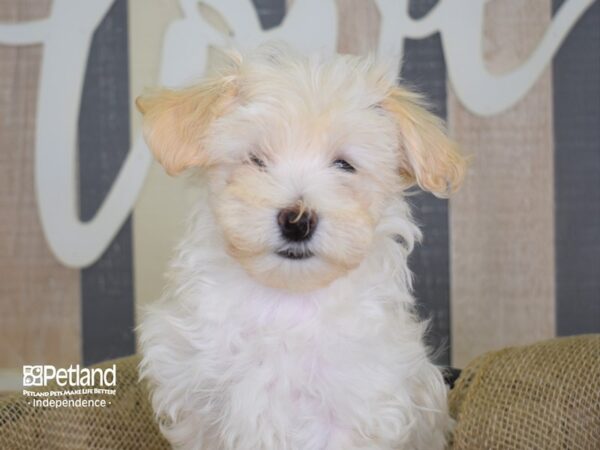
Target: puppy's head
[303,157]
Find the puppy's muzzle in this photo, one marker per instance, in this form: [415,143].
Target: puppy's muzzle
[297,225]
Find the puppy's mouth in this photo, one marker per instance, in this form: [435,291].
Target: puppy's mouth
[295,253]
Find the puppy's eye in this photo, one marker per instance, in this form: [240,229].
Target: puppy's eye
[257,161]
[344,165]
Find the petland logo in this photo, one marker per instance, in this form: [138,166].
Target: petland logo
[73,376]
[78,386]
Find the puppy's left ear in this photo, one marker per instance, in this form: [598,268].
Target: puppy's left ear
[177,122]
[429,158]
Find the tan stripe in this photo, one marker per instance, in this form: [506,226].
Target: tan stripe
[359,22]
[159,213]
[502,226]
[39,298]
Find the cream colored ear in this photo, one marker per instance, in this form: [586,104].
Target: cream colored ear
[429,158]
[176,121]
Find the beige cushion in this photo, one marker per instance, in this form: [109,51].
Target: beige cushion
[544,396]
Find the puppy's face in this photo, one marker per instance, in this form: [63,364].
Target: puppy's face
[303,157]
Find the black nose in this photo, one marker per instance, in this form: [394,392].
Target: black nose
[296,225]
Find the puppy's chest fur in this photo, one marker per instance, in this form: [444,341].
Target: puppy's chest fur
[295,374]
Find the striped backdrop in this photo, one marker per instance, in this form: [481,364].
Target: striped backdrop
[513,258]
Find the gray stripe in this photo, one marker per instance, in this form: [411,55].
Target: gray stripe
[576,77]
[270,12]
[424,68]
[106,286]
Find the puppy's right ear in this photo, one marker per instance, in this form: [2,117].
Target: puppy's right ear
[176,122]
[429,157]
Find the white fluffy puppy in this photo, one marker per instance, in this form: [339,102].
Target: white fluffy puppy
[288,320]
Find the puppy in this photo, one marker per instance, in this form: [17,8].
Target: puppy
[288,320]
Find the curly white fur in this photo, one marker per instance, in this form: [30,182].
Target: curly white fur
[249,350]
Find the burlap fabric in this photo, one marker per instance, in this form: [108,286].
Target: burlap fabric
[127,423]
[544,396]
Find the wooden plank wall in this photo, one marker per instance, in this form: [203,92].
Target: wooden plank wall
[487,271]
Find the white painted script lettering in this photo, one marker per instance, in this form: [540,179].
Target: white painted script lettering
[311,25]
